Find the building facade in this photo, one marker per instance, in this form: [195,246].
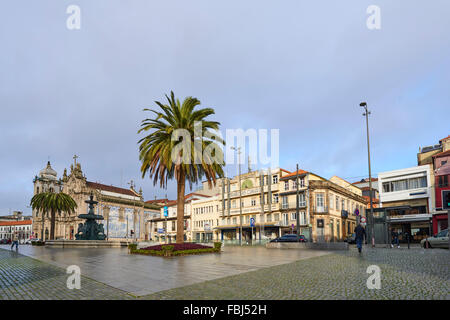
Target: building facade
[267,209]
[438,158]
[124,210]
[406,203]
[23,228]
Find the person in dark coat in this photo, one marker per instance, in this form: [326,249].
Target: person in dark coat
[360,234]
[394,236]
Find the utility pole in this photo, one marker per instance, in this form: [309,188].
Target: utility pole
[238,149]
[297,204]
[366,114]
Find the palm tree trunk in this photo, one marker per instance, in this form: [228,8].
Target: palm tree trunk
[52,225]
[180,207]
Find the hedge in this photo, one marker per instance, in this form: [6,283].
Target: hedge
[167,251]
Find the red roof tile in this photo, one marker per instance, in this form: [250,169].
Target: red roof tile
[15,223]
[104,187]
[445,153]
[293,174]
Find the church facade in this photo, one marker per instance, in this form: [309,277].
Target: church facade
[124,211]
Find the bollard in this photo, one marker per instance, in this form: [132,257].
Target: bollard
[408,240]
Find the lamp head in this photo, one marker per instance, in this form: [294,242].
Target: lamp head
[363,104]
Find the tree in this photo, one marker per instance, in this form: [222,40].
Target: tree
[53,202]
[181,145]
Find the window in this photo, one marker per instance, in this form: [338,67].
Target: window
[269,217]
[285,203]
[276,217]
[302,182]
[343,204]
[443,162]
[301,200]
[275,198]
[294,184]
[233,204]
[286,185]
[247,219]
[234,220]
[228,221]
[337,203]
[302,218]
[331,201]
[275,179]
[294,216]
[319,200]
[173,225]
[443,181]
[253,202]
[37,190]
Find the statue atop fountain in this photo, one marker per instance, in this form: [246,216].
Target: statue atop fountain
[90,230]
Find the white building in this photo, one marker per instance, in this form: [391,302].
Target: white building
[407,197]
[24,229]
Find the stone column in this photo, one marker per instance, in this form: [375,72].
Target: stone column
[105,213]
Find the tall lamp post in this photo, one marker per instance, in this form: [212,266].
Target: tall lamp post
[366,114]
[238,149]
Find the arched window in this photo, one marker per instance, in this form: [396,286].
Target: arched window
[37,190]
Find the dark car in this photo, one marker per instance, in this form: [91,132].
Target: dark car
[351,239]
[5,241]
[290,238]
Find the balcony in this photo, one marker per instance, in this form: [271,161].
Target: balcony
[320,210]
[292,205]
[251,209]
[251,191]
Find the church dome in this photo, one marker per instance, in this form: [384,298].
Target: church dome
[48,173]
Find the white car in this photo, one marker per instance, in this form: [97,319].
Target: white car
[438,241]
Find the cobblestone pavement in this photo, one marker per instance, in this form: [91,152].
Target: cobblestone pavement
[24,278]
[405,274]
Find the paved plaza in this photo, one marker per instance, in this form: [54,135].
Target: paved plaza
[236,273]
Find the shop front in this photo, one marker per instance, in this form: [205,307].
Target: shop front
[404,220]
[440,221]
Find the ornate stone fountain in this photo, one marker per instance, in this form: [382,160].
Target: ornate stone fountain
[90,230]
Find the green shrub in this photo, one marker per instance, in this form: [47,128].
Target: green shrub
[132,246]
[217,245]
[168,252]
[167,247]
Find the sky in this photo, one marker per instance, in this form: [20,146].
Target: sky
[301,67]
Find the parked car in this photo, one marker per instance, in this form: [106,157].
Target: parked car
[290,238]
[351,239]
[28,241]
[5,241]
[439,240]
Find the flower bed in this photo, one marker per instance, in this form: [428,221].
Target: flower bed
[175,249]
[179,246]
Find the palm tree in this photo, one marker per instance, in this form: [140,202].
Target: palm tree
[53,202]
[168,153]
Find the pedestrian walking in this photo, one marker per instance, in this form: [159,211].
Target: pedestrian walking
[394,236]
[360,234]
[15,241]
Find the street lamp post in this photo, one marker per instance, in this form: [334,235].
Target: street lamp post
[238,149]
[366,114]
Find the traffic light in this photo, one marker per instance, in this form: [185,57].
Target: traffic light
[446,199]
